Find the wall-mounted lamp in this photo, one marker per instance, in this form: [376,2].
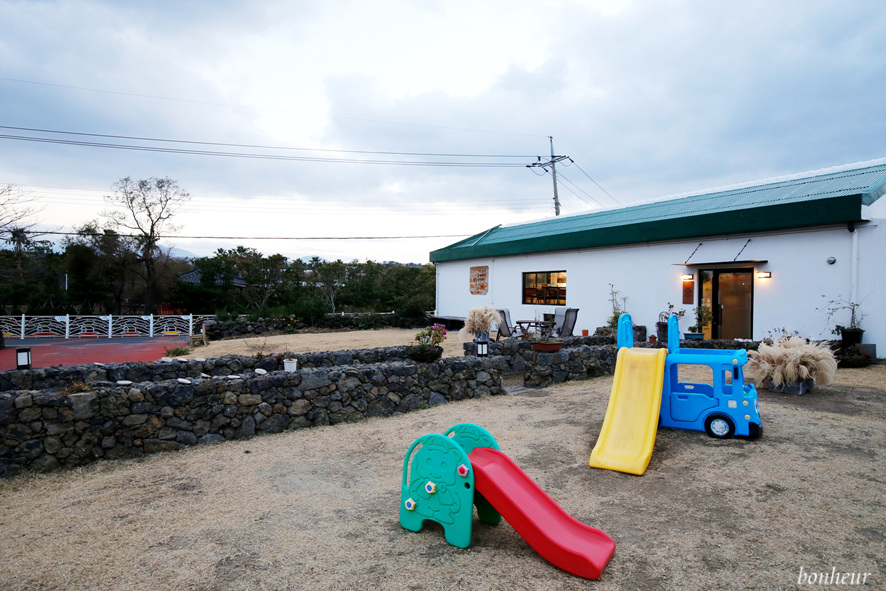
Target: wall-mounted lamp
[23,358]
[764,275]
[687,276]
[482,349]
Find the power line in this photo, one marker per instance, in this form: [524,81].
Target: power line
[561,178]
[260,156]
[181,100]
[205,143]
[593,181]
[170,236]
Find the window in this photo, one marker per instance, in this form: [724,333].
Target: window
[545,287]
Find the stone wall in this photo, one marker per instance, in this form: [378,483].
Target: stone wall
[567,365]
[167,369]
[70,416]
[47,429]
[518,352]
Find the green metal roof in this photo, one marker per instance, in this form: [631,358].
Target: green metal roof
[814,200]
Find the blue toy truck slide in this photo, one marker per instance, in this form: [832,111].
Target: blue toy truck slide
[724,409]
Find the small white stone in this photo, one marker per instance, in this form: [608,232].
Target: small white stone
[183,381]
[199,359]
[99,364]
[260,372]
[124,383]
[165,359]
[233,377]
[182,359]
[204,375]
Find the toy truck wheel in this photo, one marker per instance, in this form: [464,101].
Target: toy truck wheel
[719,426]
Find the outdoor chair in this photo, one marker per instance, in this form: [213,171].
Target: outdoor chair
[565,329]
[559,318]
[505,327]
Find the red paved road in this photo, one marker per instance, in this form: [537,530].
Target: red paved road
[49,352]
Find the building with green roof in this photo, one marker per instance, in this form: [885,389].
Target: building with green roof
[763,256]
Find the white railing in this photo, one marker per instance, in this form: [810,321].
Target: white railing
[79,326]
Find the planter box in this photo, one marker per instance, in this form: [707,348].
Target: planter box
[695,336]
[423,353]
[546,346]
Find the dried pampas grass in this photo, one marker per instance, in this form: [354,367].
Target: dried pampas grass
[792,359]
[479,320]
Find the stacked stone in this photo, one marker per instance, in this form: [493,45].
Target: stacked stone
[48,429]
[61,376]
[569,364]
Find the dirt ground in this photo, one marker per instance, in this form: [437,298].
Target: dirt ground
[306,342]
[318,508]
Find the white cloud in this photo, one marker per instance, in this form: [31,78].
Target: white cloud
[648,97]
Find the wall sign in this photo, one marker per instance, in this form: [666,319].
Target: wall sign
[479,280]
[688,292]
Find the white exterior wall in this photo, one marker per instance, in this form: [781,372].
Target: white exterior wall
[649,275]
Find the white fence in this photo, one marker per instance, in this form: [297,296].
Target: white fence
[68,326]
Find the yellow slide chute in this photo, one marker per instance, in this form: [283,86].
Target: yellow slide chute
[628,434]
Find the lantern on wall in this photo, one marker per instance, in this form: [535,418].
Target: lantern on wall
[482,342]
[23,358]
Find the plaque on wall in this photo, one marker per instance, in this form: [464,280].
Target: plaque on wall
[688,291]
[479,280]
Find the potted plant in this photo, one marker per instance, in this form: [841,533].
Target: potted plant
[479,323]
[661,327]
[791,364]
[703,317]
[545,342]
[428,348]
[849,335]
[619,307]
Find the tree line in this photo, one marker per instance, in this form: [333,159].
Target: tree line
[116,266]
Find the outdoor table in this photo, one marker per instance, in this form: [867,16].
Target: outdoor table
[526,326]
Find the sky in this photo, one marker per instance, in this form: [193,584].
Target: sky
[324,124]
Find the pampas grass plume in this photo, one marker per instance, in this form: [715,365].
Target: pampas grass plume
[792,359]
[479,320]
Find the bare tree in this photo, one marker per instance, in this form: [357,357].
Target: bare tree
[148,207]
[16,206]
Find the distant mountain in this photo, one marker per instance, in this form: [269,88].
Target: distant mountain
[178,253]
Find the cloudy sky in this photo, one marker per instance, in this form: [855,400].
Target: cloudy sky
[393,119]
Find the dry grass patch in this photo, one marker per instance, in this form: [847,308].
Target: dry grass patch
[317,509]
[321,341]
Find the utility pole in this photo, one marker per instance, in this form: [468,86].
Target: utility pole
[553,164]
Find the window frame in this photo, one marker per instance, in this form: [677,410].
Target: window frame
[553,282]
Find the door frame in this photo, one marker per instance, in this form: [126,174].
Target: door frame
[716,310]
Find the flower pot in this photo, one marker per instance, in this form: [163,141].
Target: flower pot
[694,336]
[290,365]
[652,338]
[584,332]
[851,336]
[423,353]
[798,388]
[546,346]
